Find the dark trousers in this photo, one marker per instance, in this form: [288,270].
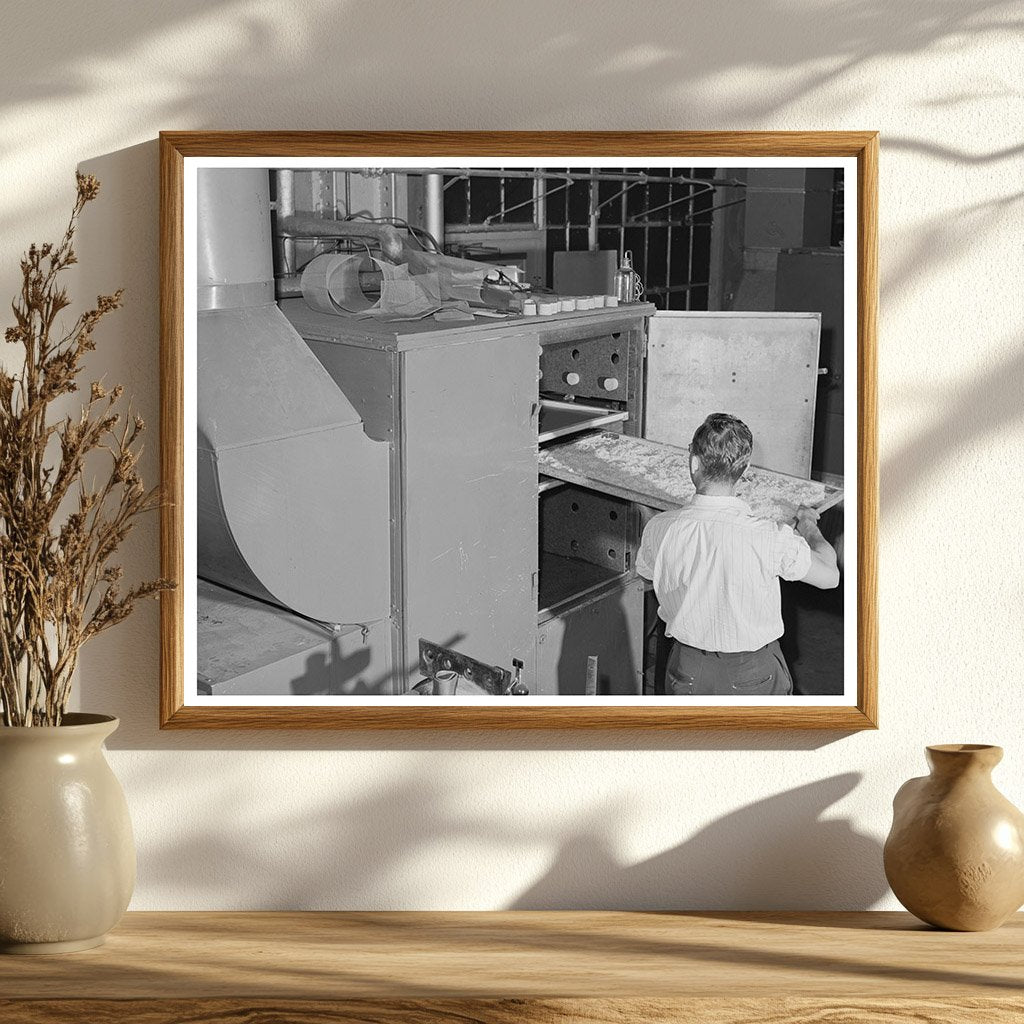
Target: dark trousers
[762,673]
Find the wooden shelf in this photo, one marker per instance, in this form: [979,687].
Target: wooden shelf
[857,968]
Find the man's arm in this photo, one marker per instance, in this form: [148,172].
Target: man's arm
[647,551]
[824,571]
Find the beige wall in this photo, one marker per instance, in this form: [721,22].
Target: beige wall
[633,820]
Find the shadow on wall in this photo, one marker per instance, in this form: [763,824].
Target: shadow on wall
[439,837]
[118,238]
[991,404]
[291,53]
[778,853]
[176,66]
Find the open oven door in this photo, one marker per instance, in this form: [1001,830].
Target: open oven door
[761,367]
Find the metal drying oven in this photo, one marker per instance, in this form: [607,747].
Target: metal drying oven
[590,600]
[533,576]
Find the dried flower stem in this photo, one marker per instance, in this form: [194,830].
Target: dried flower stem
[58,588]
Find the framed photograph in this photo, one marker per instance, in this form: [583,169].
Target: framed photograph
[519,430]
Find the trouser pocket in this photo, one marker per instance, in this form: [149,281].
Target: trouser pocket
[752,674]
[692,672]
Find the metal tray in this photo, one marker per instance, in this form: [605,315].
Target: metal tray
[658,476]
[547,483]
[559,419]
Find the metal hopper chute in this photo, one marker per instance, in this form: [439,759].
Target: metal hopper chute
[293,496]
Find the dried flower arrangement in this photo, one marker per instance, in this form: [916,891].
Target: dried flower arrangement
[58,587]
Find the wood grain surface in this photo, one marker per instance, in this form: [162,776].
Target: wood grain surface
[176,146]
[524,966]
[515,1011]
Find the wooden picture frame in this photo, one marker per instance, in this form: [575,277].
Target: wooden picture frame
[178,151]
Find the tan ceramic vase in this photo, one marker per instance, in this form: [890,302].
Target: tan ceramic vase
[955,854]
[67,856]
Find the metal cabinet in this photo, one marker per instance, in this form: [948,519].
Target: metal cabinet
[458,408]
[480,561]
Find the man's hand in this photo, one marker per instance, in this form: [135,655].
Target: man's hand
[823,572]
[807,522]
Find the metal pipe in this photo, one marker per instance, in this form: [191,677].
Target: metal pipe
[540,205]
[681,199]
[522,226]
[285,182]
[433,206]
[511,172]
[305,226]
[487,221]
[592,220]
[672,289]
[235,264]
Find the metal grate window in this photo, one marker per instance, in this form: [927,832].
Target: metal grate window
[665,224]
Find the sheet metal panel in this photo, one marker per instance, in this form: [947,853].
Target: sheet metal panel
[599,365]
[608,625]
[761,367]
[292,493]
[579,523]
[248,648]
[469,515]
[369,379]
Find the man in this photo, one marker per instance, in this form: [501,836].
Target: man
[716,572]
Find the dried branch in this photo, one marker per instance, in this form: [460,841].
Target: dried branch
[58,585]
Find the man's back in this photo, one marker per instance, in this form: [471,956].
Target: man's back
[716,572]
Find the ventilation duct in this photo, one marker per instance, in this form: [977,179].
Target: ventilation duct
[293,496]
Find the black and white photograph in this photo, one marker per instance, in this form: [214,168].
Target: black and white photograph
[525,432]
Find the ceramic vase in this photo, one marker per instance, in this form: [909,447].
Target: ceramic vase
[67,855]
[955,854]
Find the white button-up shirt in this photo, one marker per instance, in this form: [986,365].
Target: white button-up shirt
[716,572]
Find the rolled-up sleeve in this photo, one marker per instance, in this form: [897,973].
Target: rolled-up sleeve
[645,556]
[650,542]
[792,554]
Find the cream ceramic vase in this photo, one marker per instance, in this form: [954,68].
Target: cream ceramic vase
[955,855]
[67,855]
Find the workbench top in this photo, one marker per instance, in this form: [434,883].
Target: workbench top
[401,335]
[524,966]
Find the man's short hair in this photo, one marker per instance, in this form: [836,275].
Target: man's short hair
[723,444]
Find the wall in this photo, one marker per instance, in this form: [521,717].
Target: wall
[743,820]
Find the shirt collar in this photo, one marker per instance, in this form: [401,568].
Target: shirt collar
[720,501]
